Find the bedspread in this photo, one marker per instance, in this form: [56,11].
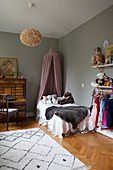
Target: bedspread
[56,125]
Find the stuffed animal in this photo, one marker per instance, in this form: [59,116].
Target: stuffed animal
[67,99]
[107,81]
[100,78]
[44,100]
[94,84]
[54,99]
[49,99]
[67,94]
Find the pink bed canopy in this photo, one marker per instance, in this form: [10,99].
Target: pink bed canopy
[51,78]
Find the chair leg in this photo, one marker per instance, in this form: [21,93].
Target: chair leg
[17,119]
[3,119]
[7,122]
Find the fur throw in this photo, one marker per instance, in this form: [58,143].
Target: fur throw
[72,114]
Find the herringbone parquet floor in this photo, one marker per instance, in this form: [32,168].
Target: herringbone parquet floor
[93,149]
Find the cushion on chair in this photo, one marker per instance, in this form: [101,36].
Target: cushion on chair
[10,110]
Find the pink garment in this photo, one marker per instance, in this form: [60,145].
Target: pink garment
[104,118]
[98,109]
[93,115]
[51,78]
[95,111]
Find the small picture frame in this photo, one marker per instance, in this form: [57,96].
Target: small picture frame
[109,52]
[8,67]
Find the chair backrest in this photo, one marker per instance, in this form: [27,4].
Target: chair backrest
[3,103]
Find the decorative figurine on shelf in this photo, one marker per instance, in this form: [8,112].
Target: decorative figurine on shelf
[110,59]
[111,81]
[22,77]
[97,58]
[107,81]
[19,74]
[98,50]
[100,79]
[93,61]
[106,61]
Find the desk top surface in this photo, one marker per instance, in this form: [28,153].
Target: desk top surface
[17,101]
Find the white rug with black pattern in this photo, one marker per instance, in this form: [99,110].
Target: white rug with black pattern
[33,149]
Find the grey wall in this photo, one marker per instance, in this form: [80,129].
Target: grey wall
[29,61]
[76,49]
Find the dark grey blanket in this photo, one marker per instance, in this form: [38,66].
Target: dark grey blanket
[72,114]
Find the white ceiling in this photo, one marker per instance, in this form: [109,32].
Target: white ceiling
[53,18]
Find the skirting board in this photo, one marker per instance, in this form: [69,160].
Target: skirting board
[30,114]
[108,133]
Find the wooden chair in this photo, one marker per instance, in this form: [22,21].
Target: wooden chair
[5,110]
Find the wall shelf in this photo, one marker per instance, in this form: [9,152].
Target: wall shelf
[104,87]
[100,67]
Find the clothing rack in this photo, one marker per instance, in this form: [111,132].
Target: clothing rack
[104,89]
[99,117]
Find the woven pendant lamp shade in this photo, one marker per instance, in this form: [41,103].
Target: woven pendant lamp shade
[30,37]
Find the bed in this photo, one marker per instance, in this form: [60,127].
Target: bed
[56,125]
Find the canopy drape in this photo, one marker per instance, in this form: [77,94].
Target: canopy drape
[51,78]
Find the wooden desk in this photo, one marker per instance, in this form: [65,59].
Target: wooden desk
[17,88]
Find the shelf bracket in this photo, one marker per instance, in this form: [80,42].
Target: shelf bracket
[100,69]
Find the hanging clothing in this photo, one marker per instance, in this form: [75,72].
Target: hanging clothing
[102,108]
[95,111]
[98,109]
[110,113]
[102,112]
[105,110]
[93,115]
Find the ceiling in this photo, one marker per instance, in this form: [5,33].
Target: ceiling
[53,18]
